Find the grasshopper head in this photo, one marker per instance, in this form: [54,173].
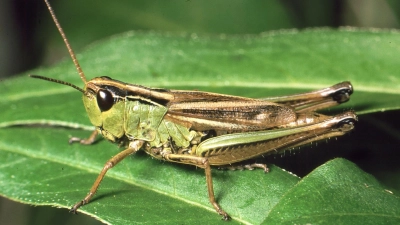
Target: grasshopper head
[103,104]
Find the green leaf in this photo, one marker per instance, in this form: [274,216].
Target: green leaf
[327,195]
[39,167]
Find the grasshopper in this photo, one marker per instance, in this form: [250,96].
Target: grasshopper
[201,128]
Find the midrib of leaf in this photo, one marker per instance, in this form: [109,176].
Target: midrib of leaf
[45,122]
[38,93]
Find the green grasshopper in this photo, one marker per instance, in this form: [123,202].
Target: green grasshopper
[201,128]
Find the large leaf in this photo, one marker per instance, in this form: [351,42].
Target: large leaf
[329,196]
[38,166]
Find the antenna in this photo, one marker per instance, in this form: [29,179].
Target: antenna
[71,53]
[58,81]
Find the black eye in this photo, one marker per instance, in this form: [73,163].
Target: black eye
[105,100]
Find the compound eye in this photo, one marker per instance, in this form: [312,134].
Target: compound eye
[105,100]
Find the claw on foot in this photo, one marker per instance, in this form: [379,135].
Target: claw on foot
[90,140]
[75,208]
[73,211]
[226,217]
[73,140]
